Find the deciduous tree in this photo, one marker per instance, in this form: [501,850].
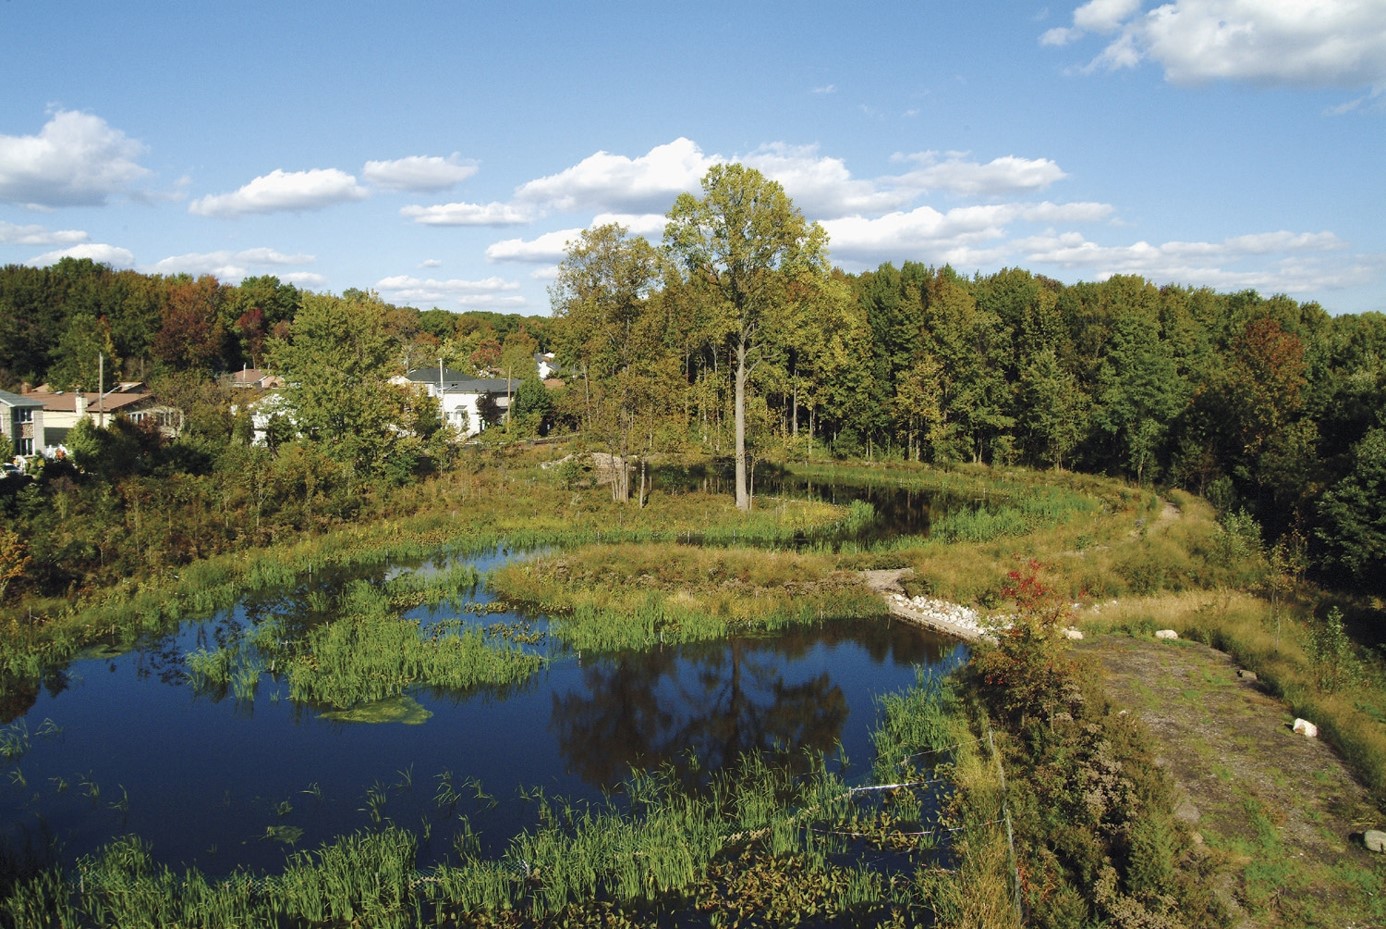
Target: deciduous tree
[742,244]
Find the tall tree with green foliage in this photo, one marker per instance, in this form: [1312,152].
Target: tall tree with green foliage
[743,244]
[1139,388]
[1353,516]
[337,361]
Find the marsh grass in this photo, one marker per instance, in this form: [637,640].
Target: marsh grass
[368,656]
[610,597]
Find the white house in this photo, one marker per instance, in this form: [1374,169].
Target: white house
[459,395]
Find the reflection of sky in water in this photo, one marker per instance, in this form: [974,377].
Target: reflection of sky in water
[205,780]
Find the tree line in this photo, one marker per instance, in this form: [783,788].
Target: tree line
[737,336]
[734,337]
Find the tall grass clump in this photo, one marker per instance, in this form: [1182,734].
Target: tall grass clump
[369,654]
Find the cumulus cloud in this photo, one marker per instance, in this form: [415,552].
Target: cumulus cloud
[303,279]
[113,255]
[547,248]
[925,233]
[1299,262]
[467,214]
[1324,43]
[77,159]
[415,291]
[645,184]
[649,225]
[953,173]
[822,186]
[283,191]
[228,266]
[11,234]
[419,172]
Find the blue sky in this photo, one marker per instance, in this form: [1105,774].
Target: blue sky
[442,153]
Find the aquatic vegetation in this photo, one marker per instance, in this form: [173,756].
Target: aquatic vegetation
[369,655]
[14,741]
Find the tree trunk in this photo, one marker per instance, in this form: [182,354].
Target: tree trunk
[743,492]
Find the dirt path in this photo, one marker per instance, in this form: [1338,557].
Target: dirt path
[1280,812]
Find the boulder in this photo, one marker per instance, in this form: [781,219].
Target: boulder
[1071,633]
[1307,729]
[1166,634]
[1375,840]
[1248,676]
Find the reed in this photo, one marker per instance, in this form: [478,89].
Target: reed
[369,655]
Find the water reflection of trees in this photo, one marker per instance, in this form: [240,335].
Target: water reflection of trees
[693,711]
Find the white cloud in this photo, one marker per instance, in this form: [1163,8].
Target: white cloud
[227,266]
[430,263]
[113,255]
[419,172]
[826,89]
[467,214]
[1301,263]
[1320,43]
[283,191]
[11,234]
[821,186]
[549,247]
[604,181]
[953,173]
[649,225]
[77,159]
[414,291]
[1104,15]
[926,234]
[303,279]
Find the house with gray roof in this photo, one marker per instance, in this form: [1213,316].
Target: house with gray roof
[460,395]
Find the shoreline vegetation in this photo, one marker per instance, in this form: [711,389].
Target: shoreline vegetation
[1024,737]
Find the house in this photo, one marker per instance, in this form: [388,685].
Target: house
[547,365]
[254,379]
[263,412]
[63,408]
[22,420]
[459,395]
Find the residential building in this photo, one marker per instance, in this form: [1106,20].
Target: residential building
[459,395]
[22,420]
[63,408]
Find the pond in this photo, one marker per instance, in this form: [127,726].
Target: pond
[118,745]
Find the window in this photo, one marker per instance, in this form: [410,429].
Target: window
[25,447]
[24,414]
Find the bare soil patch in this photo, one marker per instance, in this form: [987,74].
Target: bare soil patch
[1280,813]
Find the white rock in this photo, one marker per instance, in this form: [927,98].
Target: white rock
[1166,634]
[1375,840]
[1071,633]
[1307,729]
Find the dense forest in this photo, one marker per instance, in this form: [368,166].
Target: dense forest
[1265,405]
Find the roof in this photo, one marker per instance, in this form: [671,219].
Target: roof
[456,381]
[10,399]
[427,375]
[66,401]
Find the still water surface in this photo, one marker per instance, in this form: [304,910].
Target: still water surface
[124,745]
